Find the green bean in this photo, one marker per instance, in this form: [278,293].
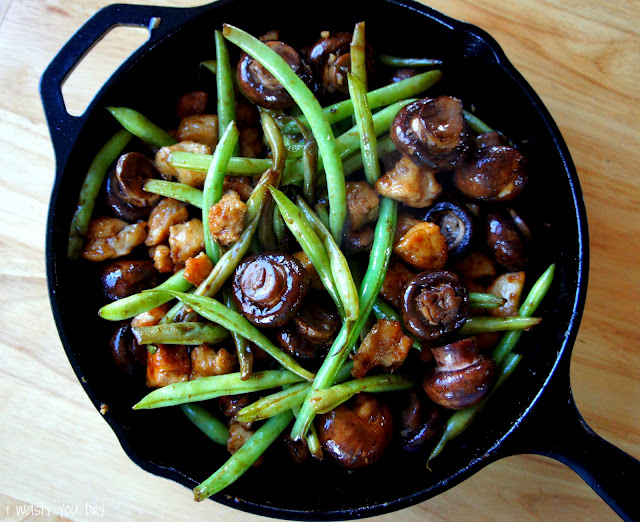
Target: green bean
[144,301]
[274,138]
[225,90]
[216,312]
[244,458]
[462,419]
[381,97]
[310,169]
[279,227]
[366,129]
[322,213]
[358,55]
[237,166]
[211,426]
[323,401]
[211,65]
[355,162]
[213,183]
[312,110]
[291,397]
[180,333]
[266,234]
[339,267]
[140,126]
[90,189]
[476,124]
[172,189]
[206,388]
[243,351]
[395,61]
[476,325]
[480,300]
[311,244]
[260,193]
[527,309]
[382,310]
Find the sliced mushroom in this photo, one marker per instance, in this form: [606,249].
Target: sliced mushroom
[434,304]
[421,420]
[356,433]
[328,57]
[129,356]
[402,74]
[295,344]
[462,377]
[491,139]
[433,133]
[456,224]
[261,87]
[269,288]
[121,279]
[317,323]
[497,173]
[508,239]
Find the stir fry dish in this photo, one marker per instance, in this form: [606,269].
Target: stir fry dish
[308,259]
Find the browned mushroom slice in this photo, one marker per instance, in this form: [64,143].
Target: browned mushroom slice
[317,323]
[432,132]
[356,433]
[420,421]
[124,278]
[491,139]
[385,346]
[508,238]
[269,288]
[462,377]
[295,344]
[434,304]
[261,87]
[497,173]
[328,56]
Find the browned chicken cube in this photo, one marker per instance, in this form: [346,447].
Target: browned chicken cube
[241,184]
[395,279]
[191,103]
[197,269]
[193,178]
[385,346]
[201,128]
[161,256]
[166,213]
[226,218]
[207,362]
[508,286]
[186,240]
[167,365]
[109,238]
[423,246]
[409,184]
[151,317]
[362,204]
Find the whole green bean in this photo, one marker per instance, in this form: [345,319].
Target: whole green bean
[140,126]
[216,312]
[237,166]
[354,161]
[366,129]
[175,190]
[180,333]
[395,61]
[206,388]
[211,426]
[266,234]
[322,213]
[382,310]
[279,227]
[480,300]
[144,301]
[274,138]
[244,458]
[260,193]
[527,309]
[225,90]
[476,124]
[476,325]
[214,182]
[305,99]
[358,55]
[310,171]
[90,189]
[381,97]
[243,350]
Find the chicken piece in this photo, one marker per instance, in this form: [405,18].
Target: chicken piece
[161,256]
[197,269]
[201,128]
[314,278]
[362,204]
[168,171]
[109,238]
[240,184]
[247,114]
[238,435]
[226,218]
[250,143]
[166,213]
[186,240]
[385,346]
[167,365]
[423,246]
[395,279]
[207,362]
[405,222]
[151,317]
[508,286]
[192,103]
[476,267]
[409,184]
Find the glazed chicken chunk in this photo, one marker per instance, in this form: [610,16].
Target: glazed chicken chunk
[167,365]
[165,214]
[201,128]
[186,240]
[385,346]
[409,184]
[362,204]
[226,218]
[423,246]
[193,178]
[109,238]
[197,269]
[207,362]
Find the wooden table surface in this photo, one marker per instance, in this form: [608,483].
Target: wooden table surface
[60,458]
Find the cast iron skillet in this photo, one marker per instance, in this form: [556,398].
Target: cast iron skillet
[533,413]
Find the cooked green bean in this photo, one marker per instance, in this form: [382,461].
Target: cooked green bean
[90,189]
[243,351]
[381,97]
[211,426]
[366,129]
[462,419]
[480,300]
[476,124]
[225,90]
[322,213]
[274,138]
[354,161]
[324,401]
[527,309]
[305,99]
[206,388]
[358,55]
[476,325]
[140,126]
[175,190]
[213,183]
[279,227]
[310,171]
[216,312]
[395,61]
[144,301]
[211,65]
[237,166]
[244,458]
[260,193]
[266,234]
[180,333]
[382,310]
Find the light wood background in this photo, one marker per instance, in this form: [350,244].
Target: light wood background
[57,454]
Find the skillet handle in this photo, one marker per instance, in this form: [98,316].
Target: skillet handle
[555,428]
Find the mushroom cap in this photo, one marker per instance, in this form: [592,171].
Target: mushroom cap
[421,420]
[121,279]
[508,239]
[456,224]
[129,356]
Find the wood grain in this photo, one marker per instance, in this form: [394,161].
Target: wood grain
[583,59]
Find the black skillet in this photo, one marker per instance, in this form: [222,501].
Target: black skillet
[533,413]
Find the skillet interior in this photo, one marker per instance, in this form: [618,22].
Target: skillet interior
[475,70]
